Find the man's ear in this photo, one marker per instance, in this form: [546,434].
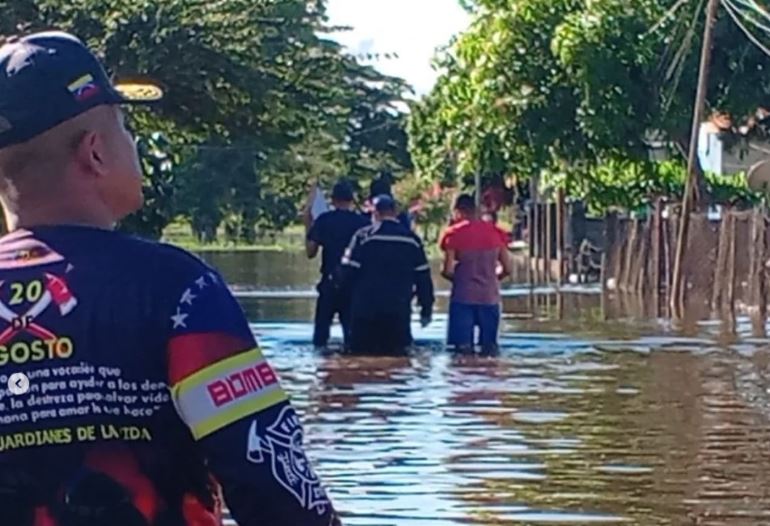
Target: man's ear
[90,153]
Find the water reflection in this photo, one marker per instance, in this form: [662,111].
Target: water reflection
[288,270]
[590,414]
[558,428]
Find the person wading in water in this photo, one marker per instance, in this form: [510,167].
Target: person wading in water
[385,265]
[332,232]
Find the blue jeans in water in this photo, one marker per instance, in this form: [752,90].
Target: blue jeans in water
[464,318]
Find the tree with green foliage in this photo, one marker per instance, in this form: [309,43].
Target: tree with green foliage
[256,93]
[572,90]
[159,187]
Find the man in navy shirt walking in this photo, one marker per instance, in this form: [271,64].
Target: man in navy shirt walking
[137,394]
[332,232]
[386,265]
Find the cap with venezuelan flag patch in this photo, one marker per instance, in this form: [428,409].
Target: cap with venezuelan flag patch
[50,77]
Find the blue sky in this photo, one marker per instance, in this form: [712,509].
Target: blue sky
[411,28]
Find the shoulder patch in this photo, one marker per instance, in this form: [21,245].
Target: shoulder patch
[21,249]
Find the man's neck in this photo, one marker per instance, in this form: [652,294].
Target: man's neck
[21,215]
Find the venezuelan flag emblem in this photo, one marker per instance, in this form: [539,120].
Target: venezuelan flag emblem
[83,88]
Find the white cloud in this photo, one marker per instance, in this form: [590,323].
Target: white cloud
[411,28]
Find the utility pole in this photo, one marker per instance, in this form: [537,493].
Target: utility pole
[679,282]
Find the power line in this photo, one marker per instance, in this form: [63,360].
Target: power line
[752,4]
[677,63]
[749,18]
[732,11]
[668,14]
[676,68]
[668,63]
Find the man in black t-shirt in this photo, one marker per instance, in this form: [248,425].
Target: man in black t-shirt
[333,231]
[386,267]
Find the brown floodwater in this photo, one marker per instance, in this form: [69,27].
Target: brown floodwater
[593,412]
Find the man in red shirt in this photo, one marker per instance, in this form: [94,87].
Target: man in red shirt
[476,258]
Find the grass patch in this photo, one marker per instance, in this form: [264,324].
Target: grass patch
[180,234]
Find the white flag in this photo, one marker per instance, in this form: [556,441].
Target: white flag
[319,205]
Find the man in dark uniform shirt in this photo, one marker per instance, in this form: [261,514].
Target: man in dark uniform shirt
[385,265]
[332,232]
[137,394]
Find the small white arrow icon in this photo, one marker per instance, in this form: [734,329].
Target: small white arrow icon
[18,384]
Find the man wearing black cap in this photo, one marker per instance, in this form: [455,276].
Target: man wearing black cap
[133,392]
[382,186]
[386,265]
[333,231]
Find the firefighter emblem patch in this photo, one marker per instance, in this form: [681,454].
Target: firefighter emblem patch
[280,444]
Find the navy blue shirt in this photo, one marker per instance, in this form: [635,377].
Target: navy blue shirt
[333,231]
[385,266]
[142,369]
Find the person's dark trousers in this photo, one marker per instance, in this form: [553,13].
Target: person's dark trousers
[331,300]
[384,333]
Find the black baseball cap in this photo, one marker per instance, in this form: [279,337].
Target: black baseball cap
[380,186]
[51,77]
[342,191]
[465,202]
[384,203]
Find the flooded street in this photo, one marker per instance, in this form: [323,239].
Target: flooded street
[599,417]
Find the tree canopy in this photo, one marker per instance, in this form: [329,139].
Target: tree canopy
[259,99]
[562,88]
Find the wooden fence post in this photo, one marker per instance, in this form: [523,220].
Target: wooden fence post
[728,307]
[603,277]
[541,244]
[631,243]
[656,255]
[642,258]
[560,226]
[671,242]
[611,250]
[757,273]
[720,271]
[548,244]
[531,244]
[534,261]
